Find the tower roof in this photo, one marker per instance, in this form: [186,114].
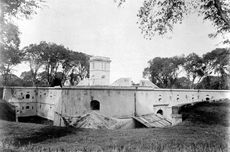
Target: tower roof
[100,58]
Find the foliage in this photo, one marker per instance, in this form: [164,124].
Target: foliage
[159,16]
[9,57]
[194,67]
[9,40]
[217,62]
[211,71]
[58,62]
[182,83]
[12,80]
[164,71]
[9,11]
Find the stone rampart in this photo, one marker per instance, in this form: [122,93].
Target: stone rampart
[120,102]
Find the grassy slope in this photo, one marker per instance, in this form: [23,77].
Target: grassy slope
[196,133]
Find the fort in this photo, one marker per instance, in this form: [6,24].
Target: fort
[144,103]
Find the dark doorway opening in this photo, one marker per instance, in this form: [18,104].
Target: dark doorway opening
[160,112]
[95,105]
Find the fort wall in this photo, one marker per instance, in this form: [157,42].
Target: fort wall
[120,102]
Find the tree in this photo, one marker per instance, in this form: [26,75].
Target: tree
[182,83]
[11,9]
[48,55]
[9,57]
[57,61]
[217,63]
[159,16]
[9,40]
[194,68]
[13,80]
[164,71]
[77,67]
[33,55]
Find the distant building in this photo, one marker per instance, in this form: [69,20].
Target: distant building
[123,82]
[99,72]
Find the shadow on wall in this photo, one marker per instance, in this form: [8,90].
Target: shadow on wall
[35,119]
[7,111]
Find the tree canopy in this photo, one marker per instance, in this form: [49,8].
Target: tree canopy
[160,16]
[211,71]
[58,63]
[9,39]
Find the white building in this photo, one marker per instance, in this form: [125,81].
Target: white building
[99,72]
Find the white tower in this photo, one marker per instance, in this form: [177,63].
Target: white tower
[99,70]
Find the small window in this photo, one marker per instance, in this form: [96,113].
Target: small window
[27,107]
[32,107]
[27,96]
[22,108]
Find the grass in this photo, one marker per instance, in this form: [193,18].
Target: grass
[204,129]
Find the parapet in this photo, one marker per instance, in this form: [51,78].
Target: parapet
[100,58]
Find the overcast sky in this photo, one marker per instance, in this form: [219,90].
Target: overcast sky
[99,27]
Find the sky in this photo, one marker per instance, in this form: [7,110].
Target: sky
[99,27]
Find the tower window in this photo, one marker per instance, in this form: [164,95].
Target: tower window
[27,96]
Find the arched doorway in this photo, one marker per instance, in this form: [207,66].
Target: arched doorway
[160,112]
[95,105]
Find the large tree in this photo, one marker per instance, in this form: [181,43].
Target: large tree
[159,16]
[76,67]
[10,11]
[9,57]
[217,63]
[33,56]
[194,67]
[164,71]
[57,62]
[9,39]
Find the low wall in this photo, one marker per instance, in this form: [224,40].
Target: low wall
[122,102]
[151,101]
